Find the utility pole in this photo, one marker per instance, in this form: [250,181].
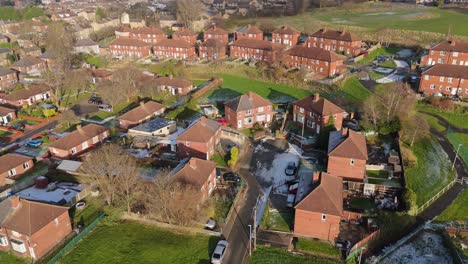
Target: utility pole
[255,227]
[456,156]
[250,240]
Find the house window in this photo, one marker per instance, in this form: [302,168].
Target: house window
[26,165]
[432,86]
[301,110]
[12,172]
[248,112]
[56,221]
[260,109]
[18,246]
[95,139]
[85,145]
[3,241]
[455,54]
[447,88]
[73,151]
[351,162]
[450,79]
[442,78]
[426,77]
[324,217]
[310,123]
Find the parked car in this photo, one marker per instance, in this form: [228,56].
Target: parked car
[211,224]
[34,143]
[18,127]
[95,100]
[223,122]
[219,252]
[231,177]
[105,108]
[290,169]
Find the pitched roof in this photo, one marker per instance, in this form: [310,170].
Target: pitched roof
[174,82]
[101,73]
[195,172]
[129,42]
[326,198]
[10,161]
[4,111]
[247,102]
[142,111]
[452,45]
[448,70]
[254,44]
[184,32]
[201,131]
[85,42]
[213,43]
[4,71]
[214,30]
[285,29]
[319,105]
[123,29]
[80,135]
[27,92]
[148,31]
[314,53]
[27,61]
[176,43]
[30,217]
[350,145]
[153,125]
[335,34]
[249,29]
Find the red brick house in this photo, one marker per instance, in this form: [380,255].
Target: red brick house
[129,48]
[316,60]
[246,110]
[199,173]
[318,215]
[347,155]
[447,52]
[175,86]
[185,34]
[285,35]
[150,35]
[445,79]
[30,65]
[31,229]
[28,95]
[78,141]
[249,32]
[200,139]
[13,165]
[212,49]
[216,33]
[6,115]
[122,32]
[252,49]
[333,40]
[8,78]
[141,114]
[174,49]
[99,75]
[314,113]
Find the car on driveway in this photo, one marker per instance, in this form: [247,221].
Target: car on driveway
[290,169]
[105,108]
[219,252]
[223,121]
[34,143]
[95,100]
[231,177]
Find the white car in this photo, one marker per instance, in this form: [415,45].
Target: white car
[219,252]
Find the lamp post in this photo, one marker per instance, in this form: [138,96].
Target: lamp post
[250,240]
[456,156]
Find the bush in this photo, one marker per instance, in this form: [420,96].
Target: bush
[234,156]
[443,103]
[410,200]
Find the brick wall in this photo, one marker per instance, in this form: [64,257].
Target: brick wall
[342,167]
[285,39]
[348,47]
[249,53]
[444,57]
[310,224]
[431,84]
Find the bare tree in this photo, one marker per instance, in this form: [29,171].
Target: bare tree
[414,129]
[68,117]
[59,43]
[396,99]
[189,10]
[371,112]
[126,80]
[109,93]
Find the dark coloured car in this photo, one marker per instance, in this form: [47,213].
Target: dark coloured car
[105,108]
[231,177]
[95,100]
[290,169]
[18,127]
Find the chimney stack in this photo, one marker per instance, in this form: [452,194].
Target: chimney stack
[203,120]
[192,163]
[452,42]
[15,201]
[316,97]
[345,132]
[316,177]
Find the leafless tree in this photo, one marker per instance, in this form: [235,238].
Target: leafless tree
[371,112]
[414,128]
[68,117]
[397,100]
[109,93]
[126,80]
[59,43]
[189,10]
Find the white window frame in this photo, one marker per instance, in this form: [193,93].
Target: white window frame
[351,162]
[26,165]
[3,241]
[73,150]
[18,246]
[12,172]
[324,217]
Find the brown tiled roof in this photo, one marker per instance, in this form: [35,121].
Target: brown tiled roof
[321,106]
[4,111]
[184,32]
[448,70]
[142,111]
[174,82]
[176,43]
[254,44]
[101,73]
[452,45]
[195,172]
[202,131]
[148,31]
[247,102]
[335,34]
[10,161]
[27,61]
[213,43]
[249,29]
[27,92]
[78,136]
[351,145]
[5,71]
[285,29]
[327,198]
[30,217]
[129,42]
[85,43]
[314,53]
[216,31]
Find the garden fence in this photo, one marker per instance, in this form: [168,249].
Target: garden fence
[76,239]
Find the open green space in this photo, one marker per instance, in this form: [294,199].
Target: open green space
[12,13]
[7,257]
[97,61]
[91,212]
[375,75]
[457,211]
[456,139]
[277,220]
[458,119]
[266,255]
[130,242]
[381,174]
[378,52]
[388,64]
[317,247]
[354,91]
[5,133]
[433,122]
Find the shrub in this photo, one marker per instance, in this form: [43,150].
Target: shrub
[234,156]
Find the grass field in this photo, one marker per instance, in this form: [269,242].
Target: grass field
[458,210]
[459,138]
[131,242]
[433,122]
[354,91]
[378,52]
[317,247]
[455,119]
[265,255]
[274,220]
[6,257]
[381,174]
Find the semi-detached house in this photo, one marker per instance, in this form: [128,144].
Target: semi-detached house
[252,49]
[451,51]
[174,49]
[150,35]
[333,40]
[200,139]
[316,60]
[128,47]
[28,95]
[248,109]
[285,35]
[13,165]
[445,79]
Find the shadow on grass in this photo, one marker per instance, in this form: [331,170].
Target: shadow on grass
[223,94]
[280,97]
[212,242]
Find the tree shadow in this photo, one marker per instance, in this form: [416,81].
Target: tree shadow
[280,97]
[223,95]
[212,242]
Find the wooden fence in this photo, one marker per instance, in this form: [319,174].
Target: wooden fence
[214,83]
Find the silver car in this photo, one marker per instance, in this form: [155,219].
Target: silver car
[219,252]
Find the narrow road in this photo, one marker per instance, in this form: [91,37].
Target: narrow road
[237,227]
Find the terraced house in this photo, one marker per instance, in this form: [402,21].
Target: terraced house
[216,33]
[316,60]
[8,78]
[200,139]
[128,47]
[150,35]
[285,35]
[255,50]
[249,32]
[186,35]
[450,51]
[333,40]
[174,49]
[248,109]
[445,79]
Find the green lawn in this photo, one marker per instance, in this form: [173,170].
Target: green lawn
[456,119]
[393,182]
[388,64]
[458,210]
[5,133]
[317,247]
[97,61]
[362,204]
[7,257]
[456,139]
[277,220]
[376,75]
[90,213]
[131,242]
[433,122]
[354,91]
[381,174]
[220,162]
[378,52]
[266,255]
[431,171]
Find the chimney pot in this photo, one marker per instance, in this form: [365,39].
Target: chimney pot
[315,177]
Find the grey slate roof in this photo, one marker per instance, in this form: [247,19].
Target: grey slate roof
[153,125]
[85,43]
[5,71]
